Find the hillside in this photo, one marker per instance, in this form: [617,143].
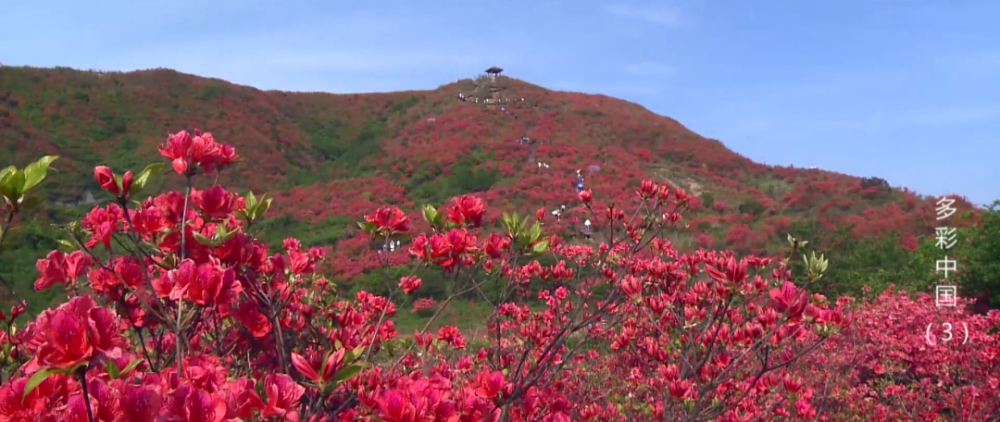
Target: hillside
[330,158]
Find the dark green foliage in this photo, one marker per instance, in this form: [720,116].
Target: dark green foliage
[707,200]
[878,263]
[275,230]
[345,148]
[467,176]
[751,207]
[436,285]
[210,92]
[981,273]
[23,247]
[344,151]
[405,104]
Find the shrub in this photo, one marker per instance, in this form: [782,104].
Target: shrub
[177,312]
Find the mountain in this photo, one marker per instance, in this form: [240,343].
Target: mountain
[330,158]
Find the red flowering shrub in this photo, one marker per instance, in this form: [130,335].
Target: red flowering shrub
[178,313]
[905,359]
[424,307]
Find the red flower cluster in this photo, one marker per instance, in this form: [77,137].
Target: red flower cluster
[389,221]
[187,153]
[183,316]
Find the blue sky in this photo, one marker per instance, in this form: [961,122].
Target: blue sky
[901,89]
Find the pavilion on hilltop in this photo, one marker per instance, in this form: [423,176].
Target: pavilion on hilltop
[494,71]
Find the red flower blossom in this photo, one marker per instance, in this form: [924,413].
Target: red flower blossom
[410,284]
[140,403]
[187,152]
[74,333]
[58,268]
[214,202]
[283,396]
[106,178]
[389,221]
[490,385]
[466,209]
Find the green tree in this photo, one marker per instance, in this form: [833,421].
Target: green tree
[980,274]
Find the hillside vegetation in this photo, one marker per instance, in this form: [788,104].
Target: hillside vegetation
[158,287]
[329,158]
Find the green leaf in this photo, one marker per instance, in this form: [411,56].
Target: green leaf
[145,176]
[12,183]
[250,200]
[540,247]
[132,365]
[35,172]
[536,231]
[112,368]
[6,171]
[348,373]
[204,240]
[66,244]
[510,223]
[36,379]
[224,234]
[367,226]
[260,388]
[262,207]
[6,182]
[430,214]
[357,352]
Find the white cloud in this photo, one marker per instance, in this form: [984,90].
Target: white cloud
[655,15]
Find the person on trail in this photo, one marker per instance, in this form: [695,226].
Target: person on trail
[586,228]
[392,246]
[557,214]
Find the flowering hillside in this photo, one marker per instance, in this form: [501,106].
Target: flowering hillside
[329,158]
[177,312]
